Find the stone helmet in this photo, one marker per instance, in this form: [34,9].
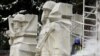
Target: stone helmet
[47,8]
[61,10]
[49,5]
[19,18]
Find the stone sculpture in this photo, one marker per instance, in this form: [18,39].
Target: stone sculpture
[23,33]
[55,36]
[47,8]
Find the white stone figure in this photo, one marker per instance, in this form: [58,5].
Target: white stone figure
[47,7]
[23,33]
[55,36]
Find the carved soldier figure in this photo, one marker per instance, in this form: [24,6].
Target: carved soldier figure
[15,26]
[47,8]
[55,36]
[23,33]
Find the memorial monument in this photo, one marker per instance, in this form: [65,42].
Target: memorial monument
[23,33]
[55,35]
[47,8]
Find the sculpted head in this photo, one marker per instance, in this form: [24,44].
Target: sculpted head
[18,20]
[61,11]
[47,7]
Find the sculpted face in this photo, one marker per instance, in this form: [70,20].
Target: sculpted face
[17,26]
[47,8]
[45,15]
[18,23]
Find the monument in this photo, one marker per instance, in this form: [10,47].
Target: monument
[47,8]
[55,35]
[23,33]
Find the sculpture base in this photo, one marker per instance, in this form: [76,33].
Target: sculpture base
[23,46]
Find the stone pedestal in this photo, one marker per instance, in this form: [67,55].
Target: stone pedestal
[24,45]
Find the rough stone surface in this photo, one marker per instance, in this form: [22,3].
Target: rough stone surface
[55,35]
[23,33]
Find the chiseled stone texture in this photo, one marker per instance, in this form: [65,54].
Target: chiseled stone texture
[47,8]
[57,13]
[55,36]
[23,33]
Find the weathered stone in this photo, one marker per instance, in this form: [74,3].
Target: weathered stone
[47,7]
[23,33]
[58,13]
[55,35]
